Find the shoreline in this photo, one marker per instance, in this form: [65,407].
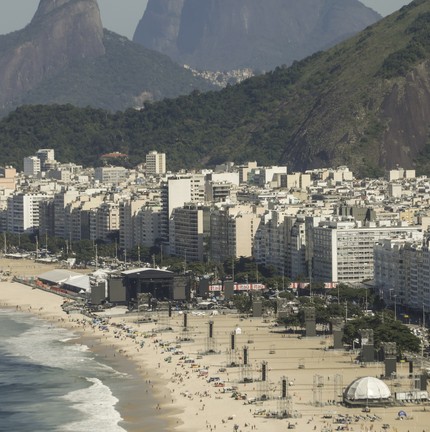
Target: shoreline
[47,307]
[188,403]
[129,392]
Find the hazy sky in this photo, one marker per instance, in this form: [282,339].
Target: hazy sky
[122,16]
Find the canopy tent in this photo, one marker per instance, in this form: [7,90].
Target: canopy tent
[67,279]
[367,391]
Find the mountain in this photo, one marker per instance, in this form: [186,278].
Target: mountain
[237,34]
[364,103]
[65,55]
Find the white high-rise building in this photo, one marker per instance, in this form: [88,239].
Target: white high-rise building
[270,240]
[155,163]
[128,221]
[402,268]
[232,232]
[148,225]
[61,200]
[187,232]
[23,212]
[104,221]
[174,193]
[32,166]
[343,251]
[45,156]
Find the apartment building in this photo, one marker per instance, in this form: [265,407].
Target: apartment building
[189,227]
[232,231]
[128,222]
[23,212]
[110,174]
[7,178]
[32,166]
[175,192]
[402,271]
[284,240]
[270,240]
[147,224]
[46,157]
[104,221]
[155,163]
[343,250]
[61,200]
[77,216]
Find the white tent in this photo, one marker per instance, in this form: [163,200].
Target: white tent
[367,389]
[78,283]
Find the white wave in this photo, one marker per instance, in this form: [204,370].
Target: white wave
[98,404]
[79,347]
[68,339]
[42,344]
[45,344]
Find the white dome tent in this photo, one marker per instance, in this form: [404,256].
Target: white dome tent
[367,391]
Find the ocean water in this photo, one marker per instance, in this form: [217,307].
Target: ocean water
[50,383]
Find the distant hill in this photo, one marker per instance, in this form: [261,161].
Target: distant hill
[364,103]
[237,34]
[65,56]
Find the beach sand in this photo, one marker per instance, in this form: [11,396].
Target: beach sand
[183,397]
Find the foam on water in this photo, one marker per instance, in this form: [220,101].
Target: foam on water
[49,371]
[41,345]
[98,404]
[49,346]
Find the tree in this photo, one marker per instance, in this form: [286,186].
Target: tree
[290,321]
[243,303]
[84,251]
[385,329]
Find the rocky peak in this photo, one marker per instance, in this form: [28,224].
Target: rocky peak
[47,6]
[257,34]
[61,32]
[76,24]
[159,27]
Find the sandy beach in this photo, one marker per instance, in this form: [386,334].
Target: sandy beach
[176,365]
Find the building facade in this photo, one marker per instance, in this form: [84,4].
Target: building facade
[232,232]
[402,272]
[343,251]
[23,212]
[155,163]
[187,232]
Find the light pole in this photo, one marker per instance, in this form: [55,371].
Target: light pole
[395,302]
[395,307]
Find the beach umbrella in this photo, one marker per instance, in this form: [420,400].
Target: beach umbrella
[402,414]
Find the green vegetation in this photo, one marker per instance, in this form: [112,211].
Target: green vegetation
[328,109]
[385,329]
[243,303]
[400,62]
